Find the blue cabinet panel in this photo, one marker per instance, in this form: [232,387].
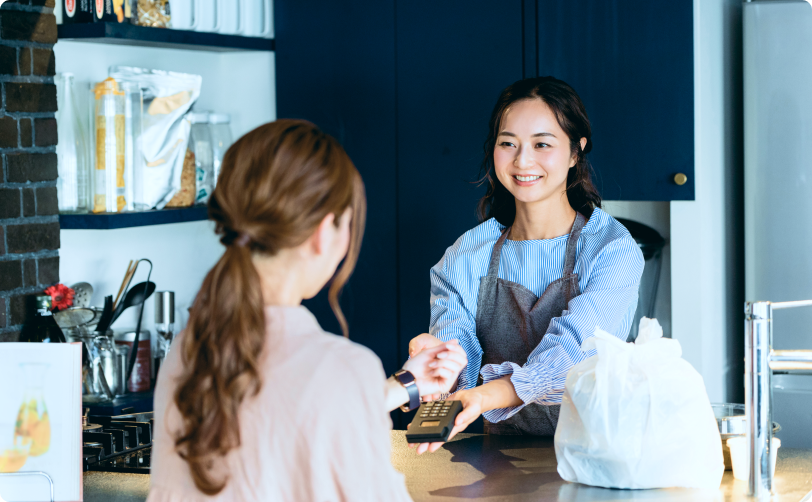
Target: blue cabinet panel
[631,61]
[453,59]
[335,66]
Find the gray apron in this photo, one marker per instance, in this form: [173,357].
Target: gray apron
[511,321]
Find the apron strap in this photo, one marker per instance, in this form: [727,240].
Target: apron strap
[572,244]
[493,268]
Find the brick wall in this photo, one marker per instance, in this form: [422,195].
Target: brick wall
[29,224]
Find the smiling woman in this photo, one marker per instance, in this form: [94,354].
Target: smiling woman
[523,290]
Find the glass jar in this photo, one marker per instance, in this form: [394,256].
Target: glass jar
[221,140]
[71,151]
[108,152]
[200,145]
[133,158]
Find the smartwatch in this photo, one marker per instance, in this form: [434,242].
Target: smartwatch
[407,380]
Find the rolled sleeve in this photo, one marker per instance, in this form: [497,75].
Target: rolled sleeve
[451,319]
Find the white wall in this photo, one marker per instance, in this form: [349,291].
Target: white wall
[241,84]
[706,234]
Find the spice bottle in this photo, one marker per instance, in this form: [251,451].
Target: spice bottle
[109,159]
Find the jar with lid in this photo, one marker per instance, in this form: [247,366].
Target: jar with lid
[200,146]
[108,152]
[221,139]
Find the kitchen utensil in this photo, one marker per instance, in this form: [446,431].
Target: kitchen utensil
[135,296]
[138,325]
[108,394]
[165,326]
[82,293]
[125,283]
[107,314]
[73,317]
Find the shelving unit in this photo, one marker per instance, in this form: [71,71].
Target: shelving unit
[143,36]
[108,221]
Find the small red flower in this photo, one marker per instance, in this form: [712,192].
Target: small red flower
[61,297]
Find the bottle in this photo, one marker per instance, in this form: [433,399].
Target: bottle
[42,328]
[72,183]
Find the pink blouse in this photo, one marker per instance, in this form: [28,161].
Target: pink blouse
[317,431]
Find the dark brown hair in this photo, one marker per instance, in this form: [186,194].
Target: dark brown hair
[277,184]
[498,202]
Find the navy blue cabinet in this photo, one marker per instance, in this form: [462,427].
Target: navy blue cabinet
[631,61]
[335,66]
[453,60]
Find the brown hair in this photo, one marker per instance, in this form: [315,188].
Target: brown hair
[277,184]
[498,202]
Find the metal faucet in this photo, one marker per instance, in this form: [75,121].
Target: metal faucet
[759,362]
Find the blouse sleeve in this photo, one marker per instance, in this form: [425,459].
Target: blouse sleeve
[608,301]
[451,319]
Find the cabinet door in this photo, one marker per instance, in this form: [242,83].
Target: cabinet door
[453,59]
[631,61]
[335,67]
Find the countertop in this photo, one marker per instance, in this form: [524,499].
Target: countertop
[504,468]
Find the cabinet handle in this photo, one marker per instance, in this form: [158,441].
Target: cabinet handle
[680,179]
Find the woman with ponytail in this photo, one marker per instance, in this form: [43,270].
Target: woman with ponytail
[255,401]
[523,290]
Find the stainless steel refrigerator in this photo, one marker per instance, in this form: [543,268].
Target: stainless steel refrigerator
[778,190]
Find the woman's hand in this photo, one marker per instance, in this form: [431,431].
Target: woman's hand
[472,407]
[436,369]
[421,342]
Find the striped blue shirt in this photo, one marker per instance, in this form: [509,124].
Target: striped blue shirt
[609,265]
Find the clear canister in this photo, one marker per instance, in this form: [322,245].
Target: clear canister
[221,139]
[72,185]
[200,145]
[133,158]
[109,159]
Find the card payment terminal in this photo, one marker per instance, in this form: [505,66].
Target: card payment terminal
[433,422]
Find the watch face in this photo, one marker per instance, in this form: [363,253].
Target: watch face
[404,377]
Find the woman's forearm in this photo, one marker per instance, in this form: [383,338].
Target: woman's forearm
[396,394]
[498,393]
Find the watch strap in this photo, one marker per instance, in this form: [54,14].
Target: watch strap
[408,381]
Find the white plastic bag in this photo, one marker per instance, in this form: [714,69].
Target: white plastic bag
[168,96]
[637,415]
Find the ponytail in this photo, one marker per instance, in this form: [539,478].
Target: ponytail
[220,349]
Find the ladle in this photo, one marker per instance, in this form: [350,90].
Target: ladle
[135,296]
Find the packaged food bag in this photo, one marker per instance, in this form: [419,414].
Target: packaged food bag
[637,415]
[168,97]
